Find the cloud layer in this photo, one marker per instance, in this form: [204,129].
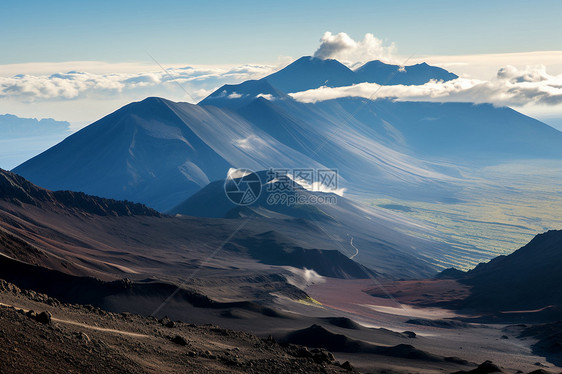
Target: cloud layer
[511,87]
[86,90]
[74,84]
[343,48]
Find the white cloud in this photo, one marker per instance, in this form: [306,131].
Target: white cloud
[266,96]
[511,86]
[483,66]
[72,85]
[343,48]
[234,95]
[83,91]
[303,278]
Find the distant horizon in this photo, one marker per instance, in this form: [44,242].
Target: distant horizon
[79,62]
[83,114]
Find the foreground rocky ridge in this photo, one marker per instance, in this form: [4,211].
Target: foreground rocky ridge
[69,338]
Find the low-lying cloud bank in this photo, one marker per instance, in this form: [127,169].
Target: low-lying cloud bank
[510,87]
[75,84]
[83,91]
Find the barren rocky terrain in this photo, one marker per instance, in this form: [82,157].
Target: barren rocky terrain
[38,334]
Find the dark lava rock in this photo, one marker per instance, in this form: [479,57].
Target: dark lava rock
[321,355]
[179,340]
[303,352]
[484,368]
[409,334]
[347,366]
[170,324]
[44,318]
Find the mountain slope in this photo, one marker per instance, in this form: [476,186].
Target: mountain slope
[385,74]
[156,152]
[527,279]
[236,95]
[79,234]
[17,190]
[363,156]
[384,241]
[311,72]
[462,133]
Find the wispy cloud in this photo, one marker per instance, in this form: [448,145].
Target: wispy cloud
[511,86]
[342,47]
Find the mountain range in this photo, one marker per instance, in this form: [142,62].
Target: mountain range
[310,72]
[132,214]
[518,281]
[86,235]
[78,248]
[23,138]
[82,235]
[12,126]
[159,153]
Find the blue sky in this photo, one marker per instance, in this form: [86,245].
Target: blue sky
[78,61]
[233,32]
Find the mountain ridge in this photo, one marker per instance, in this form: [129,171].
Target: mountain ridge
[156,152]
[309,72]
[16,189]
[517,282]
[386,74]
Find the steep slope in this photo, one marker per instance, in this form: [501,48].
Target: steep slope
[311,72]
[366,159]
[236,95]
[16,189]
[462,133]
[377,238]
[527,279]
[19,199]
[450,132]
[81,235]
[122,156]
[521,286]
[386,74]
[156,152]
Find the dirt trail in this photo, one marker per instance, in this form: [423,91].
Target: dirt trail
[84,325]
[89,339]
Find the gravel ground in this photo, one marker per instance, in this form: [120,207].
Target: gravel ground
[38,334]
